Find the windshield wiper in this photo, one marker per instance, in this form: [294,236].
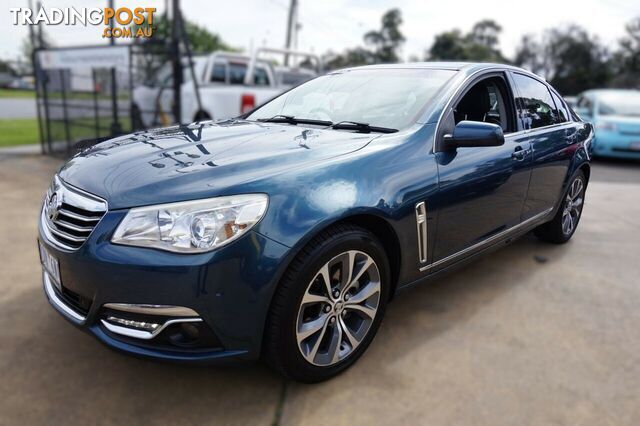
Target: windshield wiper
[361,127]
[290,119]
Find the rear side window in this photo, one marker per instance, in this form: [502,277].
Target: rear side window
[563,112]
[260,77]
[535,105]
[237,72]
[219,73]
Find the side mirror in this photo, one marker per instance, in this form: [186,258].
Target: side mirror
[474,133]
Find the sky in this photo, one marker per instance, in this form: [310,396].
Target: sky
[339,24]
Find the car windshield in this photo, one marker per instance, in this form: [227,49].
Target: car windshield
[620,103]
[389,98]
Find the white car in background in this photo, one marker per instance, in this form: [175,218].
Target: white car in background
[228,84]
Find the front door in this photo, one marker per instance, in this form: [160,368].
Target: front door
[482,189]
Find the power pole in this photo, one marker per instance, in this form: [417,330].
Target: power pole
[176,33]
[292,25]
[115,123]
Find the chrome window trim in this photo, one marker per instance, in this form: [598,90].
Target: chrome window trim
[144,335]
[487,241]
[473,75]
[59,303]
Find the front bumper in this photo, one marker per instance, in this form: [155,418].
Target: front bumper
[230,289]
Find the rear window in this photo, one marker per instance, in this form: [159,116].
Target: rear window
[563,112]
[535,105]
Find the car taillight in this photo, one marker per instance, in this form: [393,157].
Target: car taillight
[247,103]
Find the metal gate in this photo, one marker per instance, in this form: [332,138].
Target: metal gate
[82,93]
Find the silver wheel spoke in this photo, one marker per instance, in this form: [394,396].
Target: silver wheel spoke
[370,312]
[364,293]
[576,188]
[350,337]
[577,203]
[360,273]
[344,293]
[310,298]
[346,269]
[324,273]
[314,350]
[309,328]
[565,223]
[336,342]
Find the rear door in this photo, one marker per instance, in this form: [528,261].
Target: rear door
[547,125]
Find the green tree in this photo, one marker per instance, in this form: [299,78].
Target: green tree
[349,58]
[571,59]
[529,55]
[383,45]
[447,46]
[388,39]
[626,59]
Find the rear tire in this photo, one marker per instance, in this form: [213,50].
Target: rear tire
[318,327]
[564,224]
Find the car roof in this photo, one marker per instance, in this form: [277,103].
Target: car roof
[454,66]
[597,92]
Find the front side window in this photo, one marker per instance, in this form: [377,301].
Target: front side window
[390,98]
[485,102]
[535,105]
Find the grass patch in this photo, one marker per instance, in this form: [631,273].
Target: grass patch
[17,94]
[22,131]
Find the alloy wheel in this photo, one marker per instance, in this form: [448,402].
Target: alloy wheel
[572,206]
[338,308]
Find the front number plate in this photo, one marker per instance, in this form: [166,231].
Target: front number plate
[50,265]
[634,146]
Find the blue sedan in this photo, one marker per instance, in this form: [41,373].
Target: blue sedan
[284,233]
[615,113]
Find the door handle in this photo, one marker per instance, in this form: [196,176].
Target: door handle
[519,154]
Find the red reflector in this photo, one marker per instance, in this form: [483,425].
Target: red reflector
[247,103]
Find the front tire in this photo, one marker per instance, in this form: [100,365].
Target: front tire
[329,305]
[564,224]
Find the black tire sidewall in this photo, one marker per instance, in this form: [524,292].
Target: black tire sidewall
[292,360]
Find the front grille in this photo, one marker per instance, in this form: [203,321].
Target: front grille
[70,215]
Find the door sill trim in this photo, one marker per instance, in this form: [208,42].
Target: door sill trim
[487,241]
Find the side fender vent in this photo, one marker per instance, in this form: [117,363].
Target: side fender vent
[421,224]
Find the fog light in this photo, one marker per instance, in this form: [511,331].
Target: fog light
[140,325]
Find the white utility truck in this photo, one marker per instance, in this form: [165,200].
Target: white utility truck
[229,84]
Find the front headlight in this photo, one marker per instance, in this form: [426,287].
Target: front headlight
[191,226]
